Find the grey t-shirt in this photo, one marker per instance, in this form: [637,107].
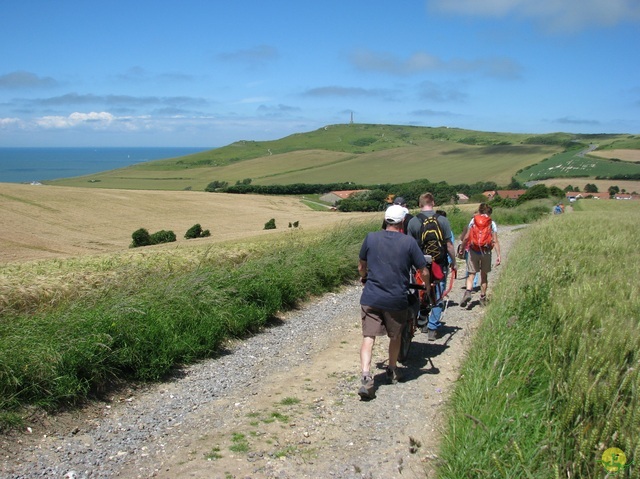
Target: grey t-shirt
[389,256]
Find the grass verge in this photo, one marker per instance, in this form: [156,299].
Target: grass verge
[552,379]
[140,325]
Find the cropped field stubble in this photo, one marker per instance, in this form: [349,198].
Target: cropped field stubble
[46,222]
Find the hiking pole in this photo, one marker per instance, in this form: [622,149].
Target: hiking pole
[454,275]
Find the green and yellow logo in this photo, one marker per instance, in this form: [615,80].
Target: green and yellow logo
[614,460]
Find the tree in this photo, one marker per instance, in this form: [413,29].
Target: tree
[613,191]
[537,191]
[163,236]
[515,184]
[141,237]
[196,231]
[555,191]
[478,198]
[270,225]
[216,185]
[590,188]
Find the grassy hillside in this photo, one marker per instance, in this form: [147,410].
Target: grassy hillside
[364,154]
[358,153]
[572,164]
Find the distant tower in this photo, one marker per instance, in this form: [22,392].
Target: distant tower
[351,122]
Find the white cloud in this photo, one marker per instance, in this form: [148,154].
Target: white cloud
[554,15]
[96,120]
[9,122]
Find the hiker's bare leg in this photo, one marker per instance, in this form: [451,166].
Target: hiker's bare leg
[366,351]
[394,350]
[470,279]
[484,281]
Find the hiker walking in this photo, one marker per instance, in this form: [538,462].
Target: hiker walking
[432,232]
[386,258]
[463,253]
[399,200]
[481,238]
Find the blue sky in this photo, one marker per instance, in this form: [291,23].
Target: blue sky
[207,73]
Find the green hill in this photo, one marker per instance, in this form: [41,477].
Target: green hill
[360,153]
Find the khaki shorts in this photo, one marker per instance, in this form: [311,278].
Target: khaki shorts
[378,322]
[479,262]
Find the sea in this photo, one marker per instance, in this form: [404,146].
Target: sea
[28,165]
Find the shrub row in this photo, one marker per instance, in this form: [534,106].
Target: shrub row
[141,237]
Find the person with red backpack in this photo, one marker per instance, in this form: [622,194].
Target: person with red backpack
[480,238]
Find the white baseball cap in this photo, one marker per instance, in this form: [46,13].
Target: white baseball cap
[394,214]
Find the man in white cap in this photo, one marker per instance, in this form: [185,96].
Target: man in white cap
[386,258]
[399,200]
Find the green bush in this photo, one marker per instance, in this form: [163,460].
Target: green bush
[141,237]
[270,225]
[163,236]
[196,231]
[216,185]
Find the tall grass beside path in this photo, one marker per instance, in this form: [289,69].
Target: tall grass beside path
[553,376]
[142,326]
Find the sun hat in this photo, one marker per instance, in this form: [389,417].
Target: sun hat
[399,200]
[394,214]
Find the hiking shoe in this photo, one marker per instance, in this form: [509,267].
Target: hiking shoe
[366,391]
[465,298]
[393,375]
[432,335]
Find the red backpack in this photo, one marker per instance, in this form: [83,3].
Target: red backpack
[481,234]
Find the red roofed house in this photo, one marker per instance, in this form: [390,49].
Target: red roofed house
[576,195]
[511,194]
[334,196]
[626,196]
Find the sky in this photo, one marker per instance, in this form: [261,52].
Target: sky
[207,73]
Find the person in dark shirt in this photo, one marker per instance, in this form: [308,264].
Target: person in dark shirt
[386,259]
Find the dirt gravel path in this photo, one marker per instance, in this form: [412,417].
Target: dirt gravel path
[281,404]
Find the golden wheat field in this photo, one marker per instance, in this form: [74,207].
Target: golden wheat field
[624,155]
[50,222]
